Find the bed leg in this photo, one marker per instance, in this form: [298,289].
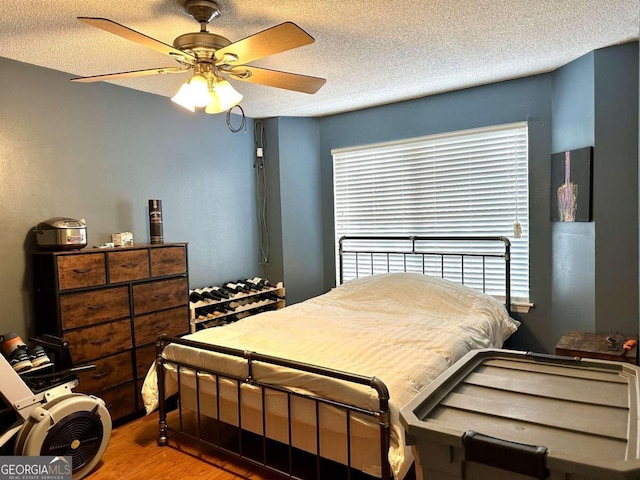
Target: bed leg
[162,407]
[162,434]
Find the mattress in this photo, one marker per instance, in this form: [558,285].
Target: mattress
[402,328]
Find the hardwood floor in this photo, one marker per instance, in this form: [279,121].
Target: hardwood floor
[133,454]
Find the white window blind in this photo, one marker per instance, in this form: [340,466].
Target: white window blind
[471,182]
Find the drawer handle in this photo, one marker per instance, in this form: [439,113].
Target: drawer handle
[82,270]
[168,261]
[163,296]
[103,374]
[129,265]
[96,307]
[99,342]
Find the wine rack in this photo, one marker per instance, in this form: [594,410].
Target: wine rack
[210,313]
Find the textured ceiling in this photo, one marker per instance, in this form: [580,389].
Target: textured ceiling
[370,52]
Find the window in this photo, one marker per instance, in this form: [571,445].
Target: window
[471,182]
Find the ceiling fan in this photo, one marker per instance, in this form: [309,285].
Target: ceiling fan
[212,57]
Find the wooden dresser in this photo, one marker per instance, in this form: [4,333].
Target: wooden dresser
[111,305]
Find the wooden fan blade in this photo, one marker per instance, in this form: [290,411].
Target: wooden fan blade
[137,37]
[134,73]
[280,38]
[274,78]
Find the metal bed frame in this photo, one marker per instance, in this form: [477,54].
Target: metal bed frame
[259,449]
[384,257]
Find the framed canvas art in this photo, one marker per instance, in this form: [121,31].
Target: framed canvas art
[571,185]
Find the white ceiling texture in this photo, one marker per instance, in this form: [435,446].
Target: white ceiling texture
[370,52]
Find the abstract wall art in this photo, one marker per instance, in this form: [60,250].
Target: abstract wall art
[571,185]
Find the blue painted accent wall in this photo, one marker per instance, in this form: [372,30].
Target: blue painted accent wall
[573,244]
[296,206]
[595,264]
[274,268]
[615,188]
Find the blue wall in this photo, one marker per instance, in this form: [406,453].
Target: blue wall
[595,265]
[295,206]
[573,244]
[615,188]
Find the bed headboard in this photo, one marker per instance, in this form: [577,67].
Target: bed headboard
[483,262]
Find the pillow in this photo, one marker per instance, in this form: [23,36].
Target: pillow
[415,293]
[408,288]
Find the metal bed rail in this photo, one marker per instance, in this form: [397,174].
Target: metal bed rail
[374,250]
[382,415]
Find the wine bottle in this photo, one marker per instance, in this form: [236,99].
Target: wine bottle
[272,296]
[204,312]
[242,286]
[232,287]
[195,296]
[252,285]
[224,293]
[262,281]
[212,295]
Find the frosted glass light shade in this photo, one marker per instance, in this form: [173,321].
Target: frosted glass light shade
[220,97]
[183,97]
[214,104]
[223,97]
[199,90]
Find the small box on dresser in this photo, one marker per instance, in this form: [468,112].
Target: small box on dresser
[111,305]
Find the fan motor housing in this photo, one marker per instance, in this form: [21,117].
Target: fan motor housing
[194,42]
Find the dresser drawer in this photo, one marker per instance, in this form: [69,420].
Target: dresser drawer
[128,265]
[168,261]
[148,297]
[145,356]
[94,342]
[76,271]
[86,308]
[120,401]
[109,372]
[149,327]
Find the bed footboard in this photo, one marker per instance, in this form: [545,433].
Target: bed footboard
[236,413]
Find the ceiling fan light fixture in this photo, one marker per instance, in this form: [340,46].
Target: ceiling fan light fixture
[194,93]
[214,105]
[183,97]
[199,91]
[208,55]
[228,96]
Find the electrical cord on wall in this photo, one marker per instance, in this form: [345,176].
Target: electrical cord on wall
[243,122]
[261,193]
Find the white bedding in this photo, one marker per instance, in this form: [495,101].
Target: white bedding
[403,328]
